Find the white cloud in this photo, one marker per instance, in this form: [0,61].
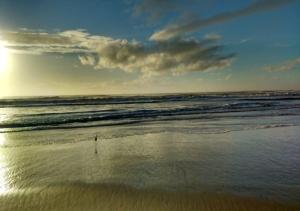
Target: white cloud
[176,56]
[87,60]
[42,42]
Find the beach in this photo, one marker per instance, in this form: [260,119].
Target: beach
[246,159]
[113,197]
[155,172]
[149,105]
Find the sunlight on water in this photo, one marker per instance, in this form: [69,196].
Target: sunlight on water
[2,139]
[3,181]
[3,167]
[4,116]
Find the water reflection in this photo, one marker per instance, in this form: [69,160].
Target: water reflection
[3,166]
[2,139]
[3,174]
[4,116]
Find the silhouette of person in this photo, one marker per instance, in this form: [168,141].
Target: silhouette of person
[96,139]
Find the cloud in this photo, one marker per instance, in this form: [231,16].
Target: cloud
[155,9]
[245,40]
[287,66]
[175,30]
[213,36]
[87,60]
[34,42]
[176,56]
[227,77]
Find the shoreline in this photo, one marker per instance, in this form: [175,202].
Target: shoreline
[78,196]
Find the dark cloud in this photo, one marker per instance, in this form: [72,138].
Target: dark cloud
[193,25]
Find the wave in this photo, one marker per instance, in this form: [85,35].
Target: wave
[167,108]
[109,100]
[114,114]
[274,126]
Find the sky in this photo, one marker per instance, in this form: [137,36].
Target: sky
[79,47]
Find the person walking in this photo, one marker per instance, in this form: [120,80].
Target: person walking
[96,140]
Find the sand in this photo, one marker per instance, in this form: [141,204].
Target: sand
[120,197]
[243,170]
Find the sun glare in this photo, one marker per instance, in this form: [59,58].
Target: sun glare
[3,58]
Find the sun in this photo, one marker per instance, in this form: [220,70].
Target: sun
[3,58]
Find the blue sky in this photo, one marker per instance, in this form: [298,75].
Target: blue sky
[149,46]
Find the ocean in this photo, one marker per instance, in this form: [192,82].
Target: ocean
[240,143]
[211,113]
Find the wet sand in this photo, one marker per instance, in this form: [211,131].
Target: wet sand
[120,197]
[243,170]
